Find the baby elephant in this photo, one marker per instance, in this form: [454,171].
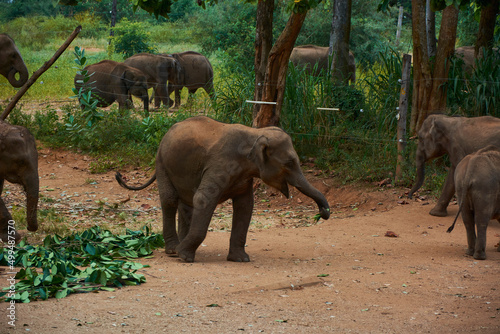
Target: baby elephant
[201,163]
[477,181]
[112,81]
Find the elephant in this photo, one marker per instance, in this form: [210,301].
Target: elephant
[466,53]
[457,137]
[113,81]
[202,162]
[196,72]
[158,70]
[309,55]
[11,62]
[18,164]
[477,180]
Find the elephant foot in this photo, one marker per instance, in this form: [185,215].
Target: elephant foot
[171,252]
[5,238]
[480,255]
[185,255]
[238,256]
[438,212]
[469,251]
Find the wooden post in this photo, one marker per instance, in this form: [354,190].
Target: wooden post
[403,109]
[38,73]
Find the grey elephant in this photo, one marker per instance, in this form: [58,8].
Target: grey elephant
[18,164]
[477,180]
[466,53]
[11,62]
[196,72]
[309,55]
[457,137]
[114,81]
[158,70]
[201,163]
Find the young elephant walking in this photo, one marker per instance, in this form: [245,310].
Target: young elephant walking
[477,181]
[201,163]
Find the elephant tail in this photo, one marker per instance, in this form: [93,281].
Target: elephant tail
[453,225]
[121,182]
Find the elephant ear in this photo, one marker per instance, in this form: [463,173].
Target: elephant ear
[258,153]
[128,79]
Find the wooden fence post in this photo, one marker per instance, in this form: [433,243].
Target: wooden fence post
[403,109]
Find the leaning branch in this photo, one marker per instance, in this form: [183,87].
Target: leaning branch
[38,73]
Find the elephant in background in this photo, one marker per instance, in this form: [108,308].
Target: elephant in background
[201,163]
[18,164]
[158,70]
[113,81]
[196,72]
[457,137]
[11,62]
[466,53]
[477,179]
[309,55]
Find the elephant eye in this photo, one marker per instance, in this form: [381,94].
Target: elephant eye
[290,164]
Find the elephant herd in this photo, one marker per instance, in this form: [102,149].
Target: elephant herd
[202,162]
[166,73]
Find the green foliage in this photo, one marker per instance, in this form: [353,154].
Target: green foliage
[104,256]
[132,38]
[476,92]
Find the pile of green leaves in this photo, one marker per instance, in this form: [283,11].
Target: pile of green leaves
[94,259]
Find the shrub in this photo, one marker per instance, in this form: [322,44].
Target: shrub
[131,38]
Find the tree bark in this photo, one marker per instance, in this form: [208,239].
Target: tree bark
[429,93]
[263,44]
[431,29]
[275,77]
[339,41]
[486,31]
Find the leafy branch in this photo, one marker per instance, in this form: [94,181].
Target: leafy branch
[94,259]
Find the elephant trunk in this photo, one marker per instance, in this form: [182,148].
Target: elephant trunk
[32,190]
[307,189]
[23,75]
[420,173]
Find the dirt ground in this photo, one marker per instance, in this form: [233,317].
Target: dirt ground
[341,275]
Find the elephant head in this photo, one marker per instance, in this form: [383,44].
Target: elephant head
[432,142]
[136,84]
[278,166]
[11,62]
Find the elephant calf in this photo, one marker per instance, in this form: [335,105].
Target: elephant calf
[477,181]
[113,81]
[11,62]
[201,163]
[18,164]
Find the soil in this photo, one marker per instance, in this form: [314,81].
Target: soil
[380,264]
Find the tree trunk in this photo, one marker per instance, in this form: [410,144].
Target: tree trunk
[485,36]
[113,18]
[429,96]
[431,29]
[339,40]
[400,24]
[275,77]
[263,44]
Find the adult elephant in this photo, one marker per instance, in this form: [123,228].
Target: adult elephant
[457,137]
[201,163]
[18,164]
[315,59]
[11,62]
[477,179]
[466,53]
[158,69]
[196,72]
[112,81]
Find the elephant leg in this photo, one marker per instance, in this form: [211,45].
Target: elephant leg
[184,220]
[1,187]
[170,89]
[204,203]
[158,97]
[482,219]
[191,92]
[8,233]
[169,203]
[468,218]
[446,194]
[178,97]
[242,215]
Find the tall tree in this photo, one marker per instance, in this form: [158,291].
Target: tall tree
[485,36]
[339,40]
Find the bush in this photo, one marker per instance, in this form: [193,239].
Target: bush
[131,38]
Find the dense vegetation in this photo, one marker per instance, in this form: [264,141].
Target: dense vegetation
[357,143]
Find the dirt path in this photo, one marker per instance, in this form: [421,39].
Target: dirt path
[342,275]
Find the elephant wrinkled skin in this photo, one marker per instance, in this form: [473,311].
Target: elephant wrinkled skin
[195,72]
[457,137]
[18,164]
[11,62]
[477,179]
[158,70]
[113,81]
[201,163]
[309,55]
